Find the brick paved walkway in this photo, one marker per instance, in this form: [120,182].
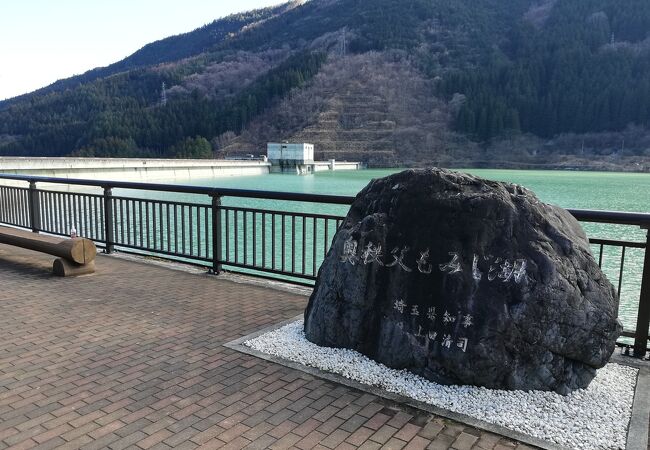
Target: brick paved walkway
[132,357]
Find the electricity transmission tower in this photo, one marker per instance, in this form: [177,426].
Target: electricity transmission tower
[163,95]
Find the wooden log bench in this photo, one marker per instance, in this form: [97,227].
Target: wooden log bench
[75,256]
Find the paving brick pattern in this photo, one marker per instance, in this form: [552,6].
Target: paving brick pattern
[132,357]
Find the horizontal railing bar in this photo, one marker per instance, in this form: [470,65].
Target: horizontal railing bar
[83,194]
[615,217]
[268,270]
[284,213]
[129,249]
[205,190]
[139,252]
[15,188]
[142,251]
[269,277]
[119,245]
[162,202]
[628,333]
[615,243]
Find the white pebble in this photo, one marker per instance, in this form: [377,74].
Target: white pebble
[592,418]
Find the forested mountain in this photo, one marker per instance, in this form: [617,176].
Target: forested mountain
[386,81]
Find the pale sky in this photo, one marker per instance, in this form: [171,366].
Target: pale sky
[42,41]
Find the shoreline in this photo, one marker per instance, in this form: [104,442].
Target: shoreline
[513,165]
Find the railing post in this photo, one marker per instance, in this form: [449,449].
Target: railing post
[643,318]
[108,219]
[34,208]
[216,234]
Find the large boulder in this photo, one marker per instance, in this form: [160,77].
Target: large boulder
[465,281]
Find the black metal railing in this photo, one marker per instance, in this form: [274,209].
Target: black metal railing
[262,241]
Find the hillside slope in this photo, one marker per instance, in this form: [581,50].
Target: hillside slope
[359,108]
[487,82]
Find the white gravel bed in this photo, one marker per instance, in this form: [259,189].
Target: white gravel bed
[592,418]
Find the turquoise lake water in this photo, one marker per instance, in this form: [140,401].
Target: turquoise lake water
[569,189]
[580,190]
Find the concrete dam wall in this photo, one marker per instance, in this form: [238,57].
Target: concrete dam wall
[131,169]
